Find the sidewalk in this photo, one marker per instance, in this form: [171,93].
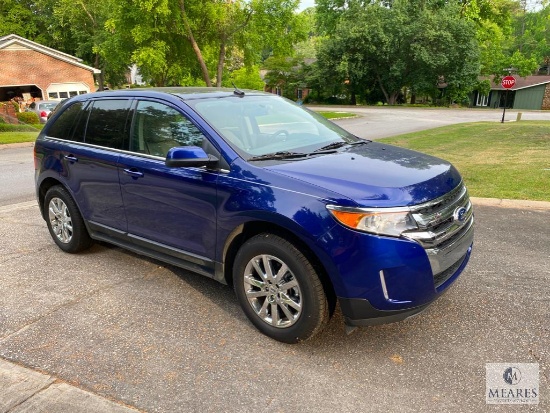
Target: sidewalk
[26,390]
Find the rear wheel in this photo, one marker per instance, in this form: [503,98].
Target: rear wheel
[278,289]
[64,221]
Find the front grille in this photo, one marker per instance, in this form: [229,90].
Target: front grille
[445,230]
[443,276]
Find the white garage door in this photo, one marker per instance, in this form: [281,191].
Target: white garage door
[58,91]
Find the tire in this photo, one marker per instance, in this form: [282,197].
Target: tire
[278,289]
[64,221]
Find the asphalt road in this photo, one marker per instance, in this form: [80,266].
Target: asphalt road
[165,340]
[376,122]
[16,173]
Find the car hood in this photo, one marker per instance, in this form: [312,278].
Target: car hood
[376,175]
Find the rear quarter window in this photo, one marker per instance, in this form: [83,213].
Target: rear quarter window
[62,128]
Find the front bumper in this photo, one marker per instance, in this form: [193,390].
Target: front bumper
[360,313]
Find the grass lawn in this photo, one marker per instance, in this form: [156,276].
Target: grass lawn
[16,137]
[497,160]
[337,115]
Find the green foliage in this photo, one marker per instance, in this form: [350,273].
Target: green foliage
[413,45]
[408,45]
[284,72]
[483,87]
[245,78]
[22,17]
[28,117]
[173,41]
[8,127]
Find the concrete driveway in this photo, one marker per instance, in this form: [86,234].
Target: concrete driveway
[133,333]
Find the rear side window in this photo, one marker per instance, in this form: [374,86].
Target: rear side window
[63,126]
[107,123]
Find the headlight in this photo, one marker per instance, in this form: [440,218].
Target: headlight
[381,221]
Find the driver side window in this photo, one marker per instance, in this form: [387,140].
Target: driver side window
[158,127]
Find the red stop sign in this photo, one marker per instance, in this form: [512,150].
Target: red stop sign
[508,82]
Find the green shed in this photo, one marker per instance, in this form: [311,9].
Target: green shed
[529,93]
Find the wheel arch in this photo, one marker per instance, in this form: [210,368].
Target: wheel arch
[250,229]
[43,188]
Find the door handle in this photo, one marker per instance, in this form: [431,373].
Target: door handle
[134,173]
[71,158]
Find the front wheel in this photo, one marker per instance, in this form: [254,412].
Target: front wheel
[65,223]
[278,289]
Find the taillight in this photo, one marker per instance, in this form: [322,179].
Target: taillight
[43,114]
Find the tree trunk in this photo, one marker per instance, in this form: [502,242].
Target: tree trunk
[195,46]
[221,61]
[353,100]
[383,89]
[393,98]
[100,76]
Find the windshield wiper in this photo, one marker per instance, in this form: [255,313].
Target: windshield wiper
[278,155]
[361,142]
[339,144]
[333,145]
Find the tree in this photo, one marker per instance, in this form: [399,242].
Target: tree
[78,27]
[20,17]
[400,44]
[500,27]
[282,72]
[165,33]
[531,37]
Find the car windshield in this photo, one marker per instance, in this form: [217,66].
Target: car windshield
[257,126]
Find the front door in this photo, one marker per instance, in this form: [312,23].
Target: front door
[175,207]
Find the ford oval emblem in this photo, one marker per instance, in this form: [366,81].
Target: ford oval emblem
[460,214]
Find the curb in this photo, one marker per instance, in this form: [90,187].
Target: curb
[511,203]
[16,145]
[26,390]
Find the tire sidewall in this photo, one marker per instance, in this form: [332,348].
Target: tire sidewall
[312,313]
[80,239]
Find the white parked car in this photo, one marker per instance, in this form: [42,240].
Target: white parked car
[43,108]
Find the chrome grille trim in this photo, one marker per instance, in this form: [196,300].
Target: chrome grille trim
[445,238]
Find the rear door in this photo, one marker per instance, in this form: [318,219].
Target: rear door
[90,161]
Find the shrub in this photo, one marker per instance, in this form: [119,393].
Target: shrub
[28,117]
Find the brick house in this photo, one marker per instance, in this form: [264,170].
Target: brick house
[28,69]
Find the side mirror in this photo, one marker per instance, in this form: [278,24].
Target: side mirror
[190,156]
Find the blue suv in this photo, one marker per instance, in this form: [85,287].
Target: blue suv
[256,192]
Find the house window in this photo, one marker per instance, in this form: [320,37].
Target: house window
[299,94]
[482,100]
[278,91]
